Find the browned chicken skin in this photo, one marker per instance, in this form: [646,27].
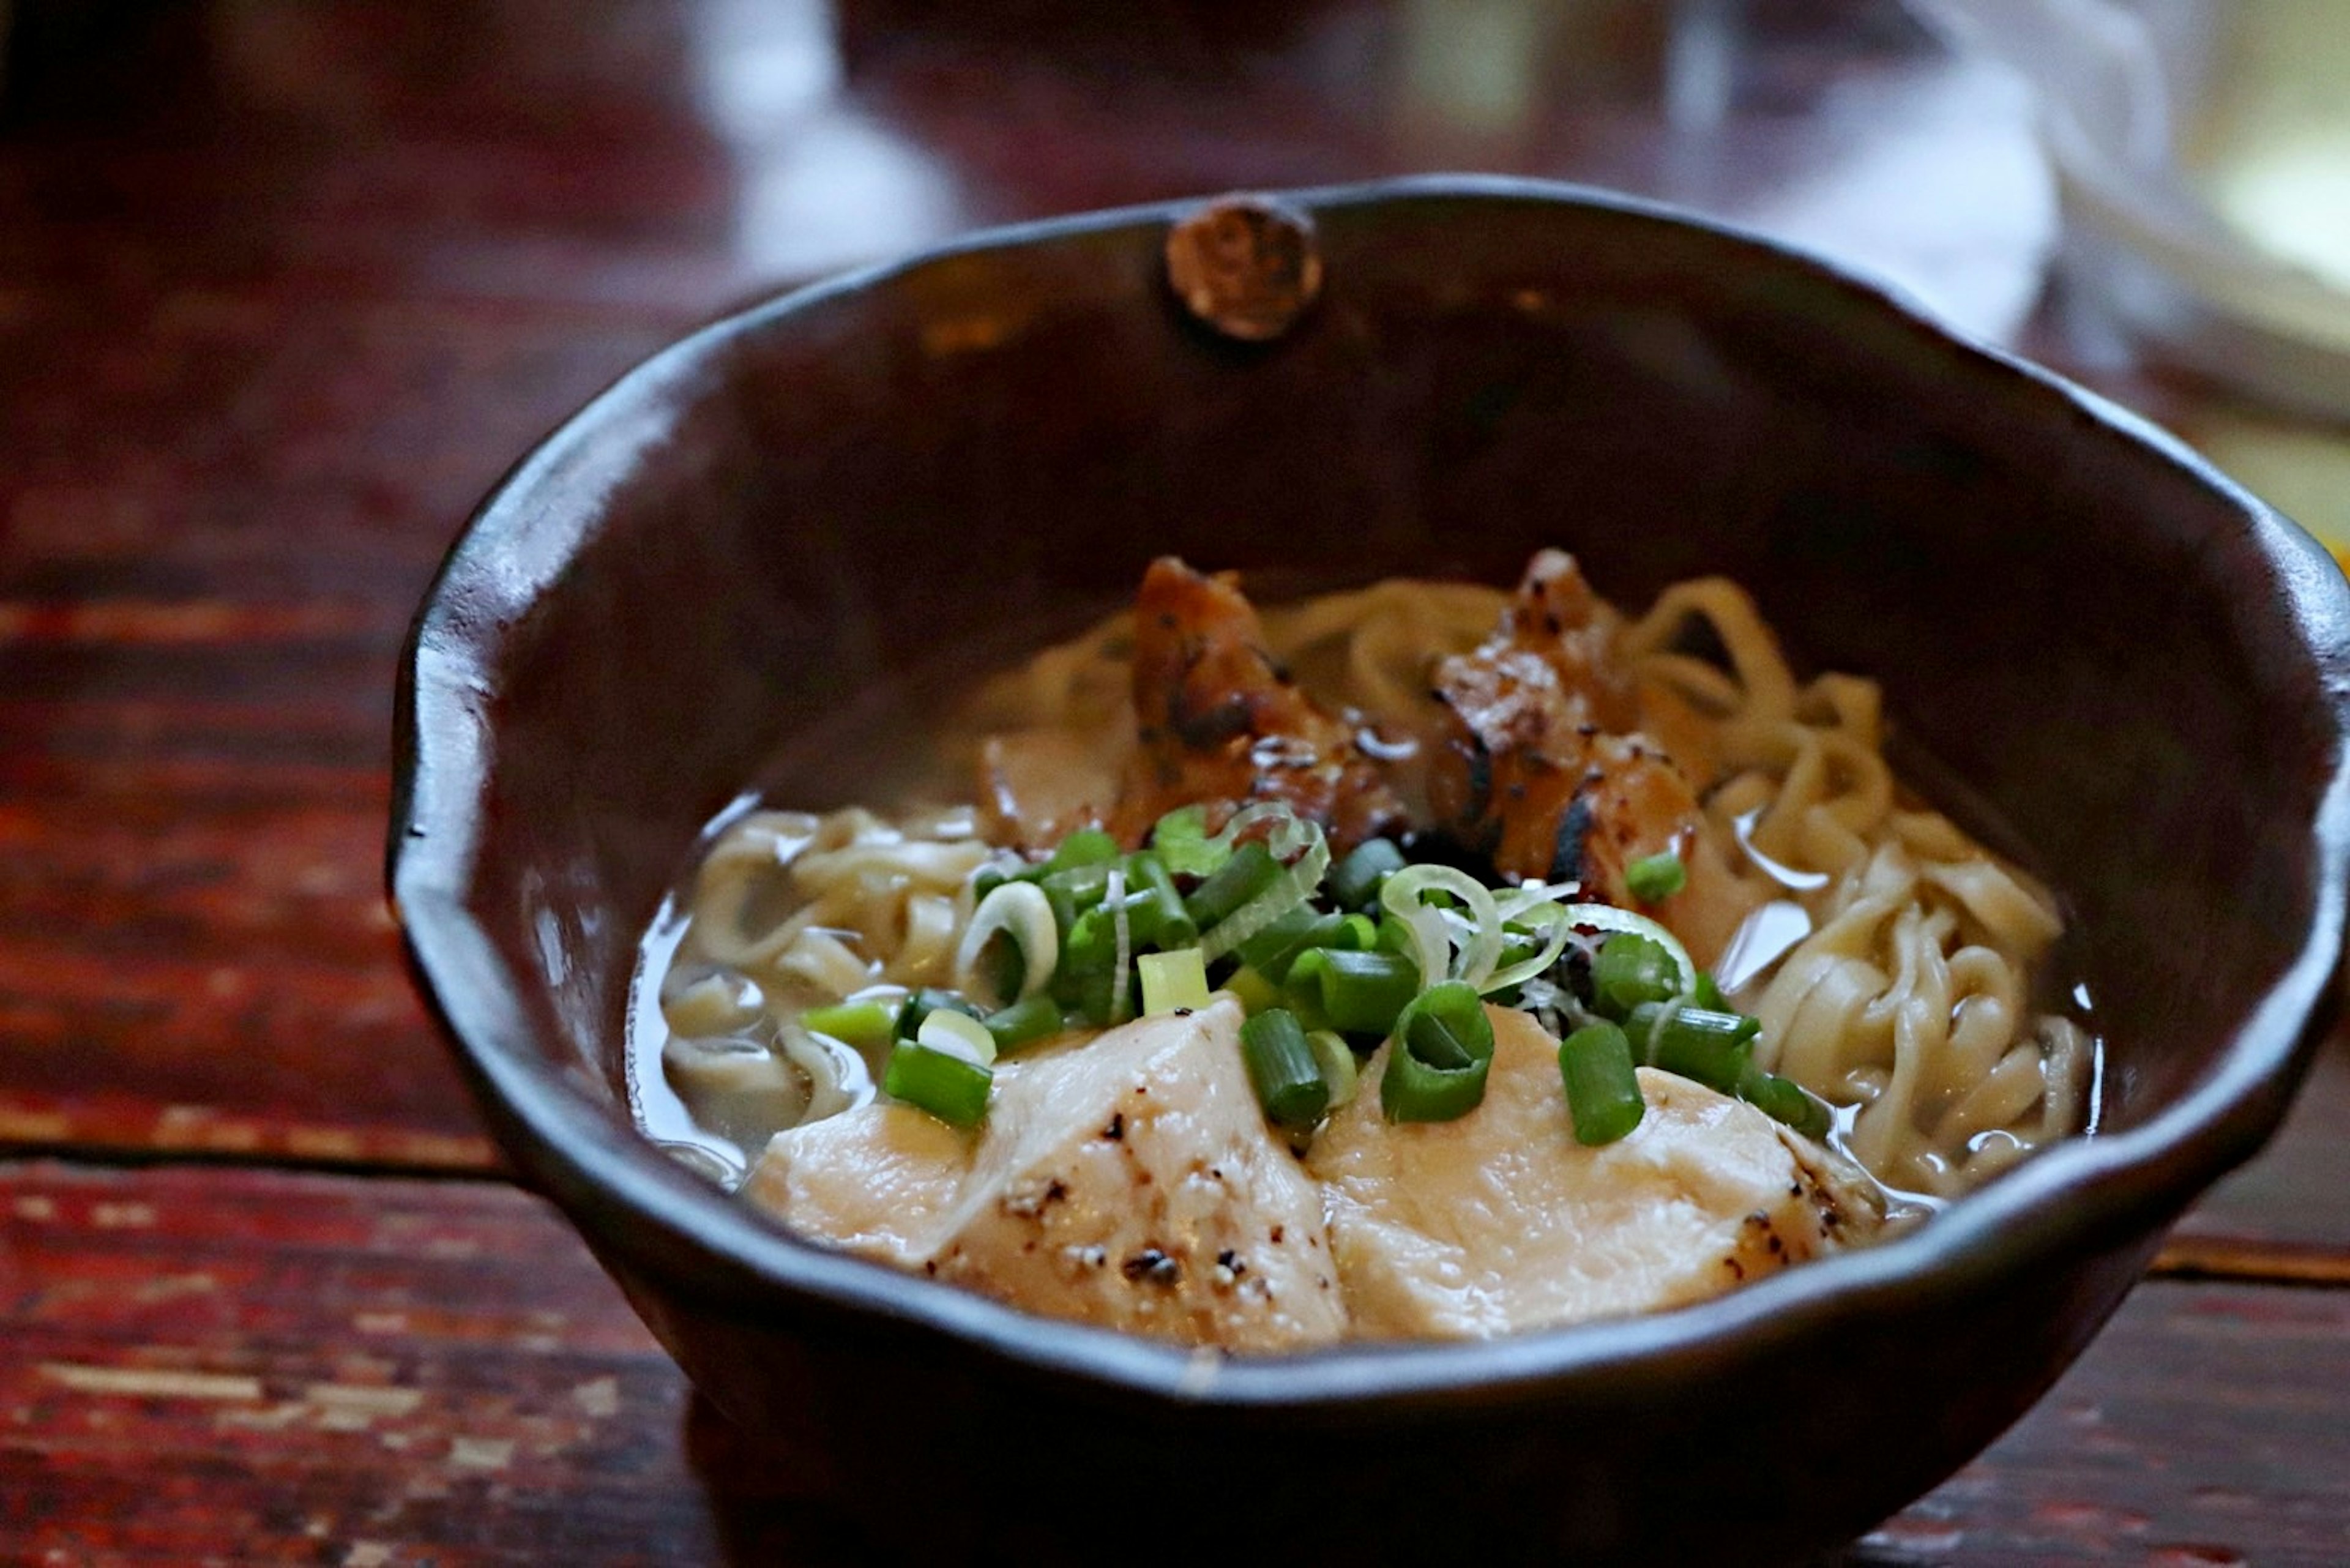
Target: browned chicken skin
[1218,719]
[1541,772]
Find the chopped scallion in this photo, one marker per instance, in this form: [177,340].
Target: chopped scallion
[1025,1023]
[919,1004]
[1255,992]
[1785,1101]
[1283,1069]
[1704,1046]
[858,1024]
[1358,992]
[1155,909]
[1337,1059]
[1251,870]
[957,1034]
[1602,1092]
[1653,878]
[948,1087]
[1355,881]
[1172,980]
[1438,1056]
[1273,950]
[1182,841]
[1022,964]
[1630,969]
[1086,846]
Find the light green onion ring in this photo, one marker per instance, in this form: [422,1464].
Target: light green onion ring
[1290,835]
[1122,974]
[1022,910]
[1531,907]
[1431,941]
[1609,918]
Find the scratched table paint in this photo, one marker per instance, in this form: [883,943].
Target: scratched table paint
[285,284]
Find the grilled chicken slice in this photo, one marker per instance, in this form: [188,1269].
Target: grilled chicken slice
[1218,719]
[1500,1221]
[1538,770]
[1126,1181]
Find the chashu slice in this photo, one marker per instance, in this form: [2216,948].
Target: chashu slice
[1500,1221]
[1127,1180]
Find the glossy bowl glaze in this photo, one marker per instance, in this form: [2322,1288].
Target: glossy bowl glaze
[2138,665]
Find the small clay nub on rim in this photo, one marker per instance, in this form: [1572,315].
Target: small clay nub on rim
[1245,266]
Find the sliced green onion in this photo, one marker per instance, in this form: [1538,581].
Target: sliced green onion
[1785,1101]
[1534,909]
[1160,917]
[1182,841]
[1358,992]
[1653,878]
[1337,1060]
[858,1024]
[1251,870]
[919,1004]
[1121,971]
[957,1034]
[1172,980]
[1405,896]
[1272,950]
[1066,912]
[1355,881]
[1025,1023]
[1631,969]
[1704,1046]
[1706,993]
[948,1087]
[1022,911]
[1602,1092]
[1288,835]
[1083,884]
[1438,1056]
[1086,846]
[1255,991]
[1356,934]
[1609,918]
[1283,1069]
[1089,997]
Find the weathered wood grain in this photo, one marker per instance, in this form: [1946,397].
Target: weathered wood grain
[262,1366]
[2289,1210]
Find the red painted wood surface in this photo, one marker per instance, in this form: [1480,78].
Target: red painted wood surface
[285,285]
[310,1368]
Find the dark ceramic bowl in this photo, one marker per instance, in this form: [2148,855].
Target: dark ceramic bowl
[2138,665]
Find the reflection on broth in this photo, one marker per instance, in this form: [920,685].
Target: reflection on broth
[1419,960]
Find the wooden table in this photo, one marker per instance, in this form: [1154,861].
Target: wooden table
[285,284]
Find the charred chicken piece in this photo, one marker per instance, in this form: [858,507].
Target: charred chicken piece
[1219,721]
[1540,773]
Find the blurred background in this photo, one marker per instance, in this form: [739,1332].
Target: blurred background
[2146,185]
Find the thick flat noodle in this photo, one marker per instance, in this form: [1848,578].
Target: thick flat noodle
[1500,1222]
[1127,1180]
[1540,773]
[1219,720]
